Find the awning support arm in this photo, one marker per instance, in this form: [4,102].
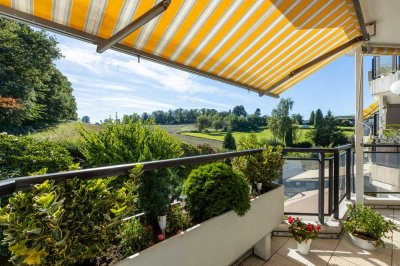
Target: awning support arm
[134,25]
[316,61]
[361,22]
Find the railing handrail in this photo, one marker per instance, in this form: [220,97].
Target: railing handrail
[19,183]
[386,145]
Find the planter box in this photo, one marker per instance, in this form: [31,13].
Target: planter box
[218,241]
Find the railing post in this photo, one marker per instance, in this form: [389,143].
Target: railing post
[330,165]
[321,191]
[336,185]
[348,173]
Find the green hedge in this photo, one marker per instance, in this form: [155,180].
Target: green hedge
[20,156]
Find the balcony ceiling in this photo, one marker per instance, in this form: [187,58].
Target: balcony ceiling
[386,14]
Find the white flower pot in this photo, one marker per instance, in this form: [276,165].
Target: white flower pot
[304,247]
[259,186]
[362,243]
[162,222]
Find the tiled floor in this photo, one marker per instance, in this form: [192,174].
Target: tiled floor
[335,251]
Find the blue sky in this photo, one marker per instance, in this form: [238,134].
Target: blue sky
[112,82]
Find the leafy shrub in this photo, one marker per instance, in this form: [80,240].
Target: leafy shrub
[214,189]
[303,144]
[263,167]
[177,219]
[112,255]
[189,150]
[271,142]
[73,222]
[135,237]
[206,148]
[20,156]
[121,143]
[365,223]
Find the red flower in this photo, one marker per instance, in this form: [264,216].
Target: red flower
[160,237]
[310,227]
[318,227]
[290,219]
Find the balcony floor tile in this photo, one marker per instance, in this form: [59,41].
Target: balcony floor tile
[335,251]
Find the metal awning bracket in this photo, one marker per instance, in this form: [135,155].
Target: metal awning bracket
[134,25]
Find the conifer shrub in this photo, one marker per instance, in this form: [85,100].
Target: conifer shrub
[214,189]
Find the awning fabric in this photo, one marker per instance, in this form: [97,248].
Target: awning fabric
[371,110]
[251,44]
[385,51]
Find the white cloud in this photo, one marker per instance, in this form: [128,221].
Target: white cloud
[110,62]
[211,104]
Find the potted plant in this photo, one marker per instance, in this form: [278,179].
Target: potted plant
[366,227]
[303,233]
[262,168]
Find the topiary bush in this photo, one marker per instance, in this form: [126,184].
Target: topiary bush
[72,222]
[214,189]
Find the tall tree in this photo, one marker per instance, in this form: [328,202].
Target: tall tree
[257,112]
[319,118]
[229,141]
[86,119]
[202,122]
[312,118]
[280,122]
[239,110]
[297,118]
[28,75]
[327,133]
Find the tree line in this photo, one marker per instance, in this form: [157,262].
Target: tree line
[236,119]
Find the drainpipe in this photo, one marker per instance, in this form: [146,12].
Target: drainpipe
[359,127]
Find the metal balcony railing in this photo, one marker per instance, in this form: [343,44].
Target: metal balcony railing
[335,182]
[382,170]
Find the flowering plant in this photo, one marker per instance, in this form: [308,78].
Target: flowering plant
[302,231]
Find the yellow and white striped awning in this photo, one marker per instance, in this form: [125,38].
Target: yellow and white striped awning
[385,51]
[261,45]
[371,110]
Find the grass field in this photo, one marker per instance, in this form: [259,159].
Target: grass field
[68,131]
[262,134]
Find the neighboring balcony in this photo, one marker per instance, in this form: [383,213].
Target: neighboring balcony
[382,84]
